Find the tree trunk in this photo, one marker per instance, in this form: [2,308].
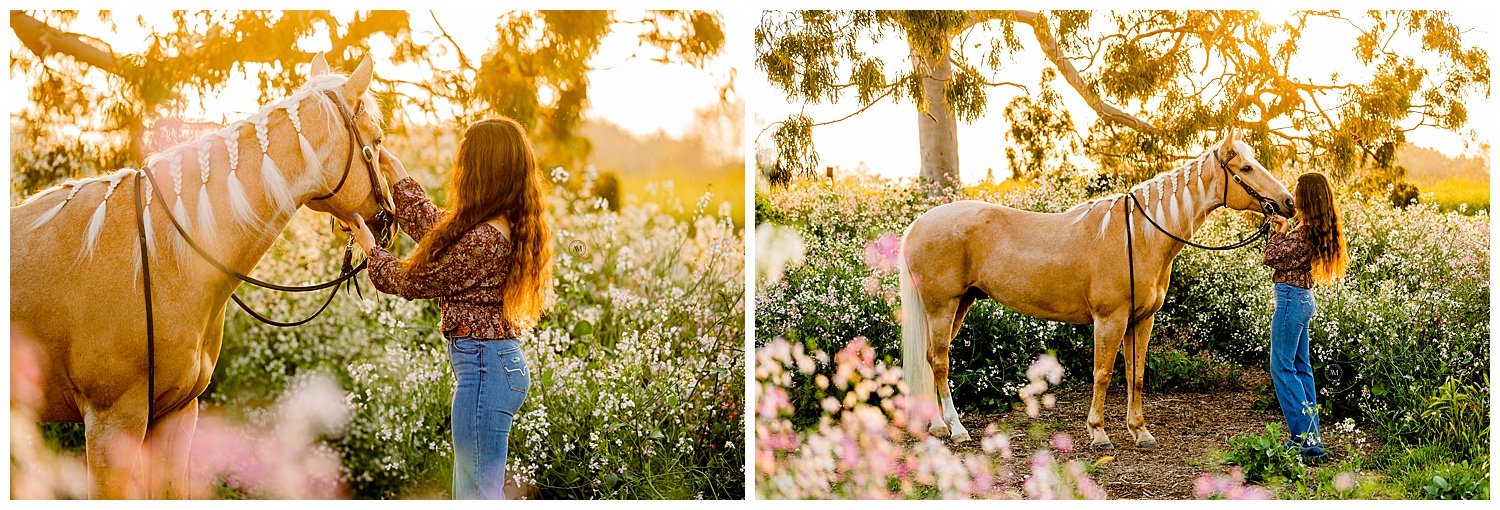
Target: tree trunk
[937,128]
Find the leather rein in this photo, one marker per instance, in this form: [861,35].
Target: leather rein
[347,272]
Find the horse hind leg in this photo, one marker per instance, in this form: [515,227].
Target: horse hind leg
[1108,334]
[942,323]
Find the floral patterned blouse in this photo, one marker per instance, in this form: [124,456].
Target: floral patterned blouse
[467,278]
[1291,256]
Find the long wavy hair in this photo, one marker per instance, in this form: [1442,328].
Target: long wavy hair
[495,174]
[1325,231]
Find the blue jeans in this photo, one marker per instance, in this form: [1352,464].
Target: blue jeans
[1291,371]
[492,381]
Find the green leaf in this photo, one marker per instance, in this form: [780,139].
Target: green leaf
[582,329]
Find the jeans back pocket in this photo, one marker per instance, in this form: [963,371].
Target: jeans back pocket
[516,373]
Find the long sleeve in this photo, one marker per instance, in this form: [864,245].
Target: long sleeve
[459,268]
[415,212]
[1286,251]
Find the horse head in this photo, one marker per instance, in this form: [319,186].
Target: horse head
[350,175]
[1257,189]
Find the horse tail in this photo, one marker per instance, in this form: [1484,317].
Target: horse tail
[914,332]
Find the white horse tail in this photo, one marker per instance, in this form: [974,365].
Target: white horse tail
[914,333]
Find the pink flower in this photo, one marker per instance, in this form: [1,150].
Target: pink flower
[1345,481]
[882,253]
[849,453]
[772,403]
[1062,442]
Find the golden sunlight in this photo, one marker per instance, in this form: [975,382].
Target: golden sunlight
[1275,17]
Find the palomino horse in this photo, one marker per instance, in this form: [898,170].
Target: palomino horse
[76,269]
[1071,267]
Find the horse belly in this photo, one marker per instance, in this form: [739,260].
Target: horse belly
[1044,295]
[1029,265]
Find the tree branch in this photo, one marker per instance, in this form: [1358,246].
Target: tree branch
[888,90]
[463,60]
[1053,50]
[43,40]
[966,68]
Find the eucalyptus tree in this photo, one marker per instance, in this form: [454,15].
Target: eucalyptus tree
[1160,84]
[536,70]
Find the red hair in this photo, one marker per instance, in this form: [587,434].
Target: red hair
[495,174]
[1320,216]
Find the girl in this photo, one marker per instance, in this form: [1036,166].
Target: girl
[1313,252]
[487,260]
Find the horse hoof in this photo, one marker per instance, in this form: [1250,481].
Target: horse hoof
[1149,444]
[961,438]
[1104,446]
[938,431]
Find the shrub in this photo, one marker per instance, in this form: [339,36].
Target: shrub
[1172,370]
[1456,417]
[1458,481]
[1265,456]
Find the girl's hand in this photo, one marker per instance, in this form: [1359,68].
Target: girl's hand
[391,165]
[1279,222]
[362,234]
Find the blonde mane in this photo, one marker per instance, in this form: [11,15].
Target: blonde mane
[1162,191]
[167,168]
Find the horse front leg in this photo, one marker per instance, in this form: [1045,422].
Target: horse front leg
[1108,334]
[940,326]
[169,442]
[112,444]
[1135,416]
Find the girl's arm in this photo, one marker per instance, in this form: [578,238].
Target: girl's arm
[415,212]
[1285,250]
[458,268]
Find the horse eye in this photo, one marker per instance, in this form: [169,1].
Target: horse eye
[1246,169]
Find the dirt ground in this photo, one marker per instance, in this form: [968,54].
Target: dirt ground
[1186,425]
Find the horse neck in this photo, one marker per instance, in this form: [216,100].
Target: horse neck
[235,243]
[1199,193]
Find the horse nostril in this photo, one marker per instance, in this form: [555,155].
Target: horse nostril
[1289,205]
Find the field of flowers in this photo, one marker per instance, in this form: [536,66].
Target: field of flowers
[1400,346]
[637,386]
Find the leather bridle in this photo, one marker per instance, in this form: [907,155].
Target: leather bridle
[347,272]
[1268,207]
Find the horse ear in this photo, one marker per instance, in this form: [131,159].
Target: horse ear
[319,65]
[1230,139]
[359,80]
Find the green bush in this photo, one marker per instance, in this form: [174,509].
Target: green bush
[1458,481]
[1172,370]
[1457,417]
[1265,456]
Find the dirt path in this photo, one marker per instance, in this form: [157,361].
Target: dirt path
[1187,426]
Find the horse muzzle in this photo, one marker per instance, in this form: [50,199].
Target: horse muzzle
[1285,209]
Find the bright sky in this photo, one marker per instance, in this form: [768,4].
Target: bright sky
[640,95]
[884,138]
